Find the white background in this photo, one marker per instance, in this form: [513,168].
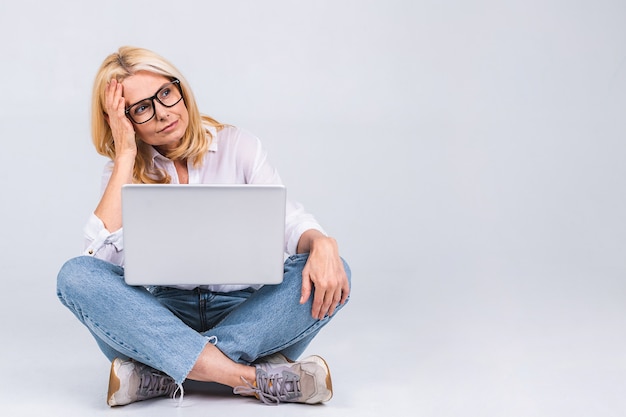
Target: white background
[468,156]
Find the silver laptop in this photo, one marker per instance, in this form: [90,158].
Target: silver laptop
[203,234]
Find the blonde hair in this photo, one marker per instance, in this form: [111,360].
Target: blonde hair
[128,61]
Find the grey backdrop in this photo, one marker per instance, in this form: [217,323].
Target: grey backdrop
[468,156]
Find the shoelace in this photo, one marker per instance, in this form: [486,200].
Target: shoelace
[272,388]
[153,384]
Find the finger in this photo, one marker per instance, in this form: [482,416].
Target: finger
[335,302]
[112,87]
[113,95]
[119,99]
[331,299]
[318,302]
[108,95]
[345,291]
[306,289]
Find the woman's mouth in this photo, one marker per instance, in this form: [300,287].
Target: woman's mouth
[169,127]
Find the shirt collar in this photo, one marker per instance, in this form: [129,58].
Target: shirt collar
[213,131]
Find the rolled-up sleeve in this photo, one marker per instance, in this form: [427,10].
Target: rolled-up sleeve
[297,221]
[102,244]
[99,242]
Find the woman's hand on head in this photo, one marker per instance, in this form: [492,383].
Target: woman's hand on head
[121,128]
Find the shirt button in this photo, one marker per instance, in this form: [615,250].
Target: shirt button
[90,251]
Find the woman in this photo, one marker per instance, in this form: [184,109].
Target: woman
[145,119]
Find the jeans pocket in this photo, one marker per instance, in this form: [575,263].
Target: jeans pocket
[298,257]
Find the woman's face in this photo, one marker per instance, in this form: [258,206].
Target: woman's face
[166,129]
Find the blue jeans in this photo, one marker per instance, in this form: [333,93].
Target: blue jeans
[167,328]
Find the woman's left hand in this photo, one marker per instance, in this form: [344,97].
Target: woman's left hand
[324,274]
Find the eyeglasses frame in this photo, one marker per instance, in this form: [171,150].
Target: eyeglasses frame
[175,81]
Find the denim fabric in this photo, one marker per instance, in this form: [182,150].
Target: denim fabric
[167,328]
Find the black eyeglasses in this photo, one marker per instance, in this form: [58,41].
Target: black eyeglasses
[143,111]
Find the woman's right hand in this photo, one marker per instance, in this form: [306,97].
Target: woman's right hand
[109,210]
[121,128]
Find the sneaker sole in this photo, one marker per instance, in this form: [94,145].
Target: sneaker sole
[114,383]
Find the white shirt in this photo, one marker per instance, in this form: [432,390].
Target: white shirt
[234,157]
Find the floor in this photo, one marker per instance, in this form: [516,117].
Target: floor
[433,348]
